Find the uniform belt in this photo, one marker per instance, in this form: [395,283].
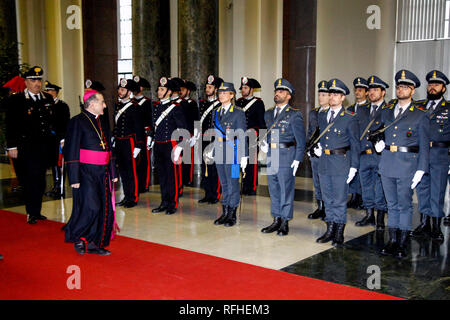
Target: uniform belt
[368,151]
[282,145]
[413,149]
[435,144]
[336,151]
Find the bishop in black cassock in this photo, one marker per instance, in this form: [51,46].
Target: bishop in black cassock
[91,174]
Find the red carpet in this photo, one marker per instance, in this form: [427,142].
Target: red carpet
[37,258]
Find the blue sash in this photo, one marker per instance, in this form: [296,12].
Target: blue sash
[235,167]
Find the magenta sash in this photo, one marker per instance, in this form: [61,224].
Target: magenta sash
[100,158]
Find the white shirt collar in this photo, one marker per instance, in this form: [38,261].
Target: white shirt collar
[212,99]
[227,107]
[164,101]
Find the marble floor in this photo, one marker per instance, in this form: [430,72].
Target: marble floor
[424,274]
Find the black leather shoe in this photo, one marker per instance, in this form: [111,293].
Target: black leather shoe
[231,217]
[447,221]
[213,201]
[130,204]
[273,227]
[403,241]
[424,228]
[284,228]
[161,208]
[121,203]
[204,200]
[189,184]
[320,211]
[391,247]
[99,251]
[436,233]
[380,220]
[329,234]
[339,235]
[171,211]
[80,247]
[369,219]
[223,217]
[31,219]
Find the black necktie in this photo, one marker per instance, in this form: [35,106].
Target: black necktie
[277,112]
[332,117]
[431,108]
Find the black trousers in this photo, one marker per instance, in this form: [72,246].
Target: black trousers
[211,183]
[188,170]
[33,160]
[168,173]
[127,168]
[250,183]
[143,165]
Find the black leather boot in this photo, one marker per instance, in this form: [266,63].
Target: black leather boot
[339,235]
[447,221]
[436,233]
[284,228]
[329,234]
[402,246]
[369,219]
[231,217]
[351,202]
[391,247]
[380,220]
[273,227]
[424,228]
[223,217]
[320,211]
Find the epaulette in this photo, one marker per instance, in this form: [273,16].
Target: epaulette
[420,107]
[292,108]
[393,101]
[348,112]
[422,102]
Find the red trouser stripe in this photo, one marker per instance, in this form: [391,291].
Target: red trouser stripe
[174,143]
[147,182]
[134,172]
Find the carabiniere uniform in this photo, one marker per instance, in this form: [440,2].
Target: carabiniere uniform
[254,113]
[128,134]
[30,127]
[431,190]
[209,178]
[167,118]
[144,158]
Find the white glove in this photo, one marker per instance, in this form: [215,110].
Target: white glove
[379,146]
[176,153]
[448,171]
[417,177]
[192,141]
[243,163]
[309,154]
[318,150]
[351,175]
[136,152]
[196,134]
[149,142]
[113,142]
[295,165]
[264,146]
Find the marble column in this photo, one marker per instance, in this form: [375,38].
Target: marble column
[299,50]
[151,40]
[8,36]
[198,40]
[101,47]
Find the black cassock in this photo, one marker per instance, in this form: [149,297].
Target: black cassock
[93,217]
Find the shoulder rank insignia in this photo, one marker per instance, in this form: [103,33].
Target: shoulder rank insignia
[421,108]
[348,112]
